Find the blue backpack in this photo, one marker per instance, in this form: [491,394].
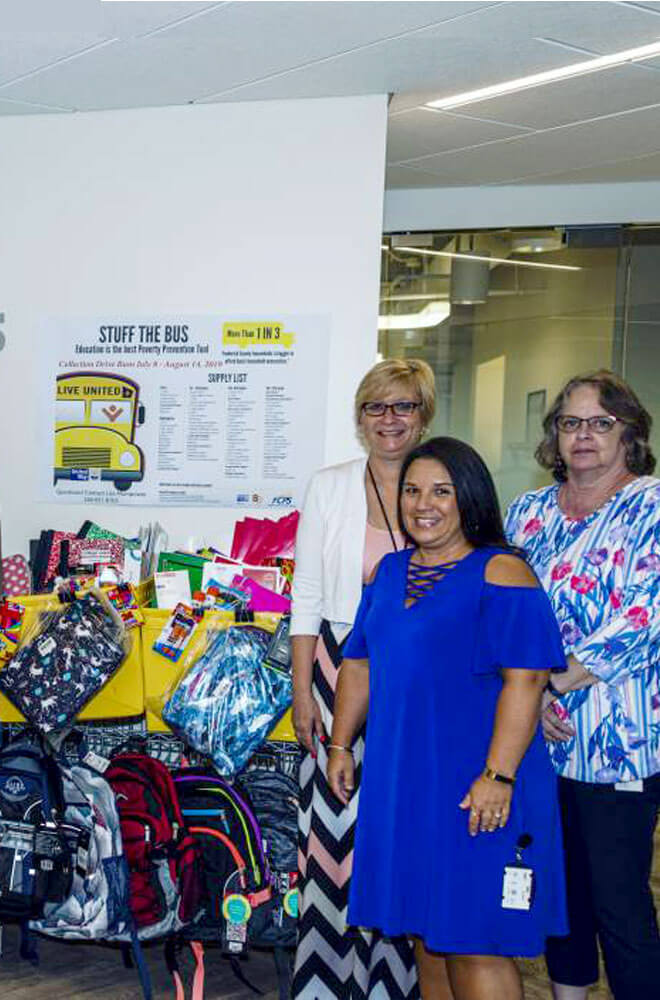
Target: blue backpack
[35,860]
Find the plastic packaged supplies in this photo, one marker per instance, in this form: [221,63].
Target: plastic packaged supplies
[57,670]
[226,703]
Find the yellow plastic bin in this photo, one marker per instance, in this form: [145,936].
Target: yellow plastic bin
[161,675]
[121,698]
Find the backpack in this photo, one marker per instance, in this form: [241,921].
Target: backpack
[271,781]
[163,859]
[35,859]
[223,822]
[242,904]
[97,907]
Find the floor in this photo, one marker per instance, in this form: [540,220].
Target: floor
[83,972]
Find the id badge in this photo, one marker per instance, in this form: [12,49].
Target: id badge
[517,887]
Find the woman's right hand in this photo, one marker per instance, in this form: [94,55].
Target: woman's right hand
[341,773]
[307,721]
[554,720]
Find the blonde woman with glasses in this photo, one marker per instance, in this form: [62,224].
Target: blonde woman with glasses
[348,522]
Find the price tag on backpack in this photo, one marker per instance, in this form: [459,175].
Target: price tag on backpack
[96,762]
[82,853]
[237,911]
[46,646]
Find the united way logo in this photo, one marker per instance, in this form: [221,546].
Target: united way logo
[14,789]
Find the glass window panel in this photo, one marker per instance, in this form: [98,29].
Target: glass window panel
[504,319]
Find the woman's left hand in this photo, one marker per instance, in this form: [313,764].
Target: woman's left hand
[489,803]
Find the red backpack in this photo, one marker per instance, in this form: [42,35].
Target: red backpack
[164,862]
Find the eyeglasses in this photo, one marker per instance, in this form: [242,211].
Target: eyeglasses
[402,408]
[599,425]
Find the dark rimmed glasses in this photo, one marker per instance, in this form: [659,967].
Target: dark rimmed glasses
[401,408]
[599,425]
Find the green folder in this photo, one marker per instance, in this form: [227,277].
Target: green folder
[169,561]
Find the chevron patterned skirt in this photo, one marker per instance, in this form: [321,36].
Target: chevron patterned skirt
[333,961]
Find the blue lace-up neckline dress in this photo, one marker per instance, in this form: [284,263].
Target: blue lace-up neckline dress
[434,680]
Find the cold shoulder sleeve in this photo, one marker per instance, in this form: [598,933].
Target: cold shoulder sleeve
[518,631]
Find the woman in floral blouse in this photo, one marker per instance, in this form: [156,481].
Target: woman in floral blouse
[594,541]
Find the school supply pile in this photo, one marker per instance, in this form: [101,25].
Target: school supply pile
[95,554]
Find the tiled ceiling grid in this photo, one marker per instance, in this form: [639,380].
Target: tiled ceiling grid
[79,55]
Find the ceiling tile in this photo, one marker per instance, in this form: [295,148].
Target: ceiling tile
[405,177]
[94,18]
[618,137]
[614,27]
[433,132]
[626,170]
[20,108]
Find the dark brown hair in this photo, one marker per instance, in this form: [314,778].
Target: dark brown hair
[478,506]
[620,401]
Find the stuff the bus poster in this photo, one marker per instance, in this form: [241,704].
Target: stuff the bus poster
[185,410]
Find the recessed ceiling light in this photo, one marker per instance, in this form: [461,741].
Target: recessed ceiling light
[494,260]
[549,76]
[536,242]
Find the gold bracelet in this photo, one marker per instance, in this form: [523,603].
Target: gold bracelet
[338,746]
[496,776]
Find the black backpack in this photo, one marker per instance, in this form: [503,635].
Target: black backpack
[222,821]
[243,905]
[36,857]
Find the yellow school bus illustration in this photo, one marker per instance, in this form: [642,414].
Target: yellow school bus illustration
[95,419]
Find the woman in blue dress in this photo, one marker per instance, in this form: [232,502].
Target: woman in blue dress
[458,839]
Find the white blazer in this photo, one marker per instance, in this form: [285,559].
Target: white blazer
[327,582]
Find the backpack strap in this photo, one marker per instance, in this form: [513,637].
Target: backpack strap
[197,949]
[141,965]
[28,948]
[240,975]
[282,958]
[172,964]
[257,898]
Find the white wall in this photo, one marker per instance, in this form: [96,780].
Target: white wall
[423,209]
[265,207]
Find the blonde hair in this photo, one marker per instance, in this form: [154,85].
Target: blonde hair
[413,373]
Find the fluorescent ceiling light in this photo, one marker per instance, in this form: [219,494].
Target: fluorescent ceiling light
[430,315]
[492,260]
[549,76]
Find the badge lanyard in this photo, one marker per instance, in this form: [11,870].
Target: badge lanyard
[518,883]
[382,507]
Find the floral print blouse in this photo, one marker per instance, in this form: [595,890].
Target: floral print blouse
[602,574]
